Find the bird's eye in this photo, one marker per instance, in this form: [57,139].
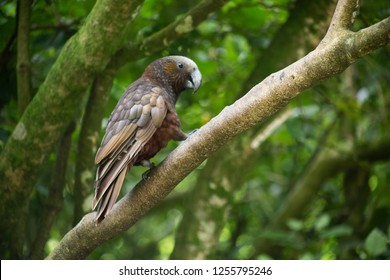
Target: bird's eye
[180,65]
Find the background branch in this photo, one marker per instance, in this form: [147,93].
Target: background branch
[164,37]
[23,54]
[183,25]
[327,163]
[55,199]
[89,140]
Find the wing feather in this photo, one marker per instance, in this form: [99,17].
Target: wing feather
[115,142]
[126,135]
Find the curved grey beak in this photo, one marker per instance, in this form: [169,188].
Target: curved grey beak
[194,80]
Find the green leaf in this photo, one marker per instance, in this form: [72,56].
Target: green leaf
[322,222]
[338,231]
[295,224]
[376,243]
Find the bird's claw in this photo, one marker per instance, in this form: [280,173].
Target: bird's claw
[150,165]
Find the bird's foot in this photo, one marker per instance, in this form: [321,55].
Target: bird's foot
[147,163]
[150,165]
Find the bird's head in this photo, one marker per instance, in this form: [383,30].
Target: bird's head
[178,72]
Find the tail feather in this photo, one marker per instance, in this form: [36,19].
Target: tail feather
[107,199]
[117,185]
[109,178]
[108,185]
[102,209]
[105,176]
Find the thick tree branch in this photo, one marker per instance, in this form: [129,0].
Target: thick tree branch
[367,38]
[262,101]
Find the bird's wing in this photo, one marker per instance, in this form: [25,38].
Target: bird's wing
[137,116]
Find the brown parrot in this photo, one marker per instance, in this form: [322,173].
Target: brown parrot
[142,123]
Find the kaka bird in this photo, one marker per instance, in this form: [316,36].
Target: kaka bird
[142,123]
